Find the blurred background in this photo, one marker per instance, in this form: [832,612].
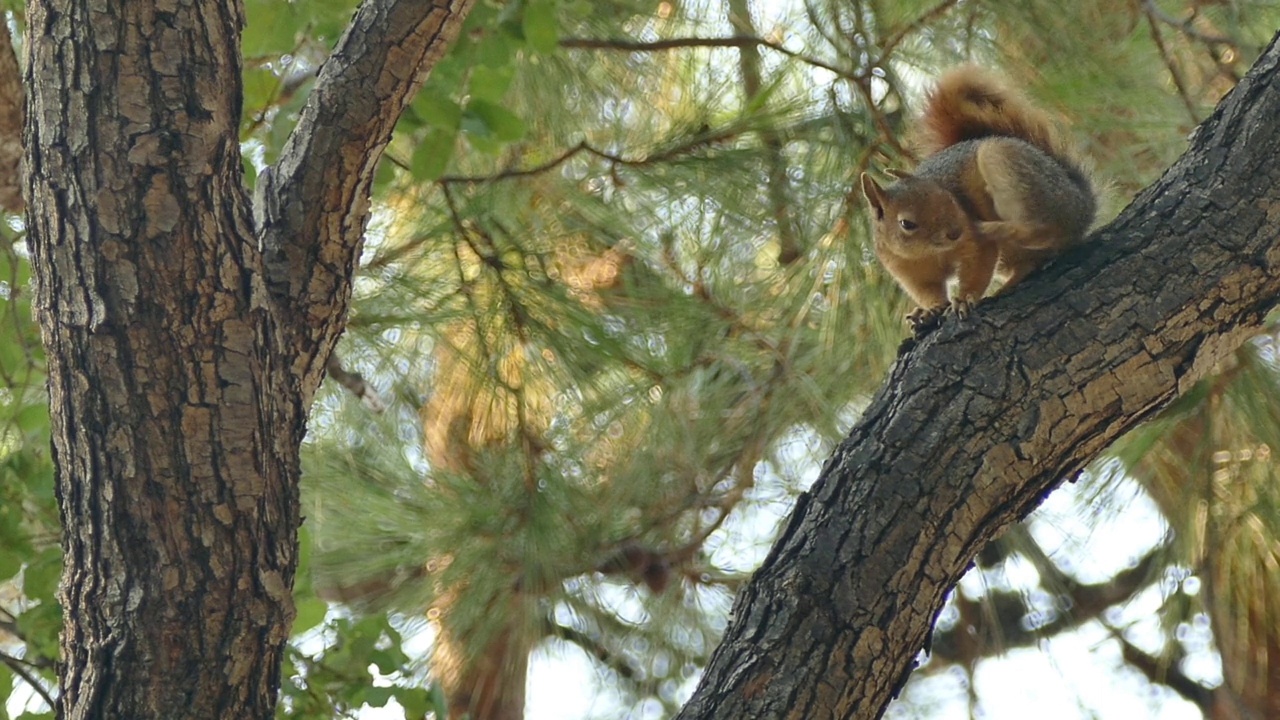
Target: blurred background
[616,306]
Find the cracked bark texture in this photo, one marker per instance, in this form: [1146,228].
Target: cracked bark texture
[182,357]
[980,419]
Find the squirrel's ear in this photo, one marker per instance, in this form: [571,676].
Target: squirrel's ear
[874,193]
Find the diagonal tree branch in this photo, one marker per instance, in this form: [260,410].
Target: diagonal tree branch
[311,247]
[1166,672]
[979,420]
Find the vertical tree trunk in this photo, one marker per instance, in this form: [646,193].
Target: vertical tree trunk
[181,364]
[176,445]
[490,684]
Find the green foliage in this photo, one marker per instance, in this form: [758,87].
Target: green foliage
[463,98]
[359,660]
[30,561]
[278,28]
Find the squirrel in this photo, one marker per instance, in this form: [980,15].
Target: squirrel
[999,194]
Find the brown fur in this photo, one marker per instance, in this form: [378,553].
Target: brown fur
[971,103]
[1000,195]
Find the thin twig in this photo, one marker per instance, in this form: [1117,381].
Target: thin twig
[354,382]
[19,668]
[1187,28]
[790,248]
[901,33]
[597,650]
[1164,672]
[700,141]
[737,41]
[1172,65]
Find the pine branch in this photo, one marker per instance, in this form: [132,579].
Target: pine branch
[684,43]
[695,143]
[891,44]
[778,185]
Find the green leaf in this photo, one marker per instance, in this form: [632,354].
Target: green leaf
[496,49]
[12,357]
[271,28]
[33,419]
[415,701]
[10,559]
[391,659]
[15,537]
[501,122]
[6,686]
[38,478]
[490,84]
[540,28]
[385,174]
[439,701]
[377,696]
[432,155]
[260,88]
[327,18]
[41,577]
[40,626]
[250,171]
[437,109]
[311,612]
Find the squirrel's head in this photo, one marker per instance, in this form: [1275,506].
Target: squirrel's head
[914,216]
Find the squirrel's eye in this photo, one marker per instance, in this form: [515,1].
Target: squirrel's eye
[907,225]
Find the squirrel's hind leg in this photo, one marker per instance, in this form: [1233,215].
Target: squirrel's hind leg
[974,269]
[1023,247]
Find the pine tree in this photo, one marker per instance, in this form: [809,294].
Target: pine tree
[616,301]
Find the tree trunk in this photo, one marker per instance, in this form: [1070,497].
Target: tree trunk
[979,420]
[184,348]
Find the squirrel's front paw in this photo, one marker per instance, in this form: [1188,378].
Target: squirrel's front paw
[922,319]
[960,307]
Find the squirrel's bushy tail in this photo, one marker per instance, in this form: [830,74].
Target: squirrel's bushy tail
[970,103]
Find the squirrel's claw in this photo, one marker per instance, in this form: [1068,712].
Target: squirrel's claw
[922,319]
[960,307]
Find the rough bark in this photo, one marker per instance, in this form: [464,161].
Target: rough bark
[180,366]
[311,207]
[979,420]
